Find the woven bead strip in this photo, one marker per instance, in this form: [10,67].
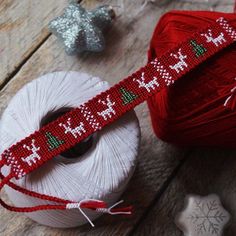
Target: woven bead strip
[71,128]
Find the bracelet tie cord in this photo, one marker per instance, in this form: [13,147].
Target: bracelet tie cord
[103,109]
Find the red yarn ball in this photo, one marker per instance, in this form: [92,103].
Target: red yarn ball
[192,111]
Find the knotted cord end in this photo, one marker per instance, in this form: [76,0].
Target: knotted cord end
[116,211]
[99,206]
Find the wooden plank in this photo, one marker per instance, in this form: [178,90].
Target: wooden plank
[23,27]
[205,172]
[127,43]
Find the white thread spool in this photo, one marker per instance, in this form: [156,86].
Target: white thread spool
[101,173]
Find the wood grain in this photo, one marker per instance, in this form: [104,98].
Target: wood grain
[127,44]
[205,172]
[23,27]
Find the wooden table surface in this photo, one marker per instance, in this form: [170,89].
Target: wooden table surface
[165,174]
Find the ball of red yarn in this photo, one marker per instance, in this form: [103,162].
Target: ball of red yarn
[200,108]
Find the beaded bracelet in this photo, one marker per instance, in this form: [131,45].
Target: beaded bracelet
[103,109]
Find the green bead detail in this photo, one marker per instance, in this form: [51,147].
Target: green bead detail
[127,96]
[53,142]
[198,48]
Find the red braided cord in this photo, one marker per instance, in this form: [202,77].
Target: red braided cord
[6,180]
[71,128]
[88,204]
[35,194]
[2,163]
[31,209]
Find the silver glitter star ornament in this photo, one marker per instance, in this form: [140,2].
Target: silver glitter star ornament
[82,30]
[202,216]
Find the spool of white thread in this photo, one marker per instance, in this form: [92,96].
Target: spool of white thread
[101,173]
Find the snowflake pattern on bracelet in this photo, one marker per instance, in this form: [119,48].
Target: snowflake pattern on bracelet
[163,72]
[11,161]
[229,29]
[90,118]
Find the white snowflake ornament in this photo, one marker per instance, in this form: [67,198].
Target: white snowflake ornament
[203,216]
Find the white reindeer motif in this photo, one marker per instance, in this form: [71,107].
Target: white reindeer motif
[78,130]
[217,41]
[32,157]
[109,111]
[148,86]
[179,66]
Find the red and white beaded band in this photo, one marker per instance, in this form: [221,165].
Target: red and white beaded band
[74,126]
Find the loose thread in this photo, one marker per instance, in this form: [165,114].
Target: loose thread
[119,211]
[79,206]
[95,206]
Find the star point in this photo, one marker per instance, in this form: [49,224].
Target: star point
[82,30]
